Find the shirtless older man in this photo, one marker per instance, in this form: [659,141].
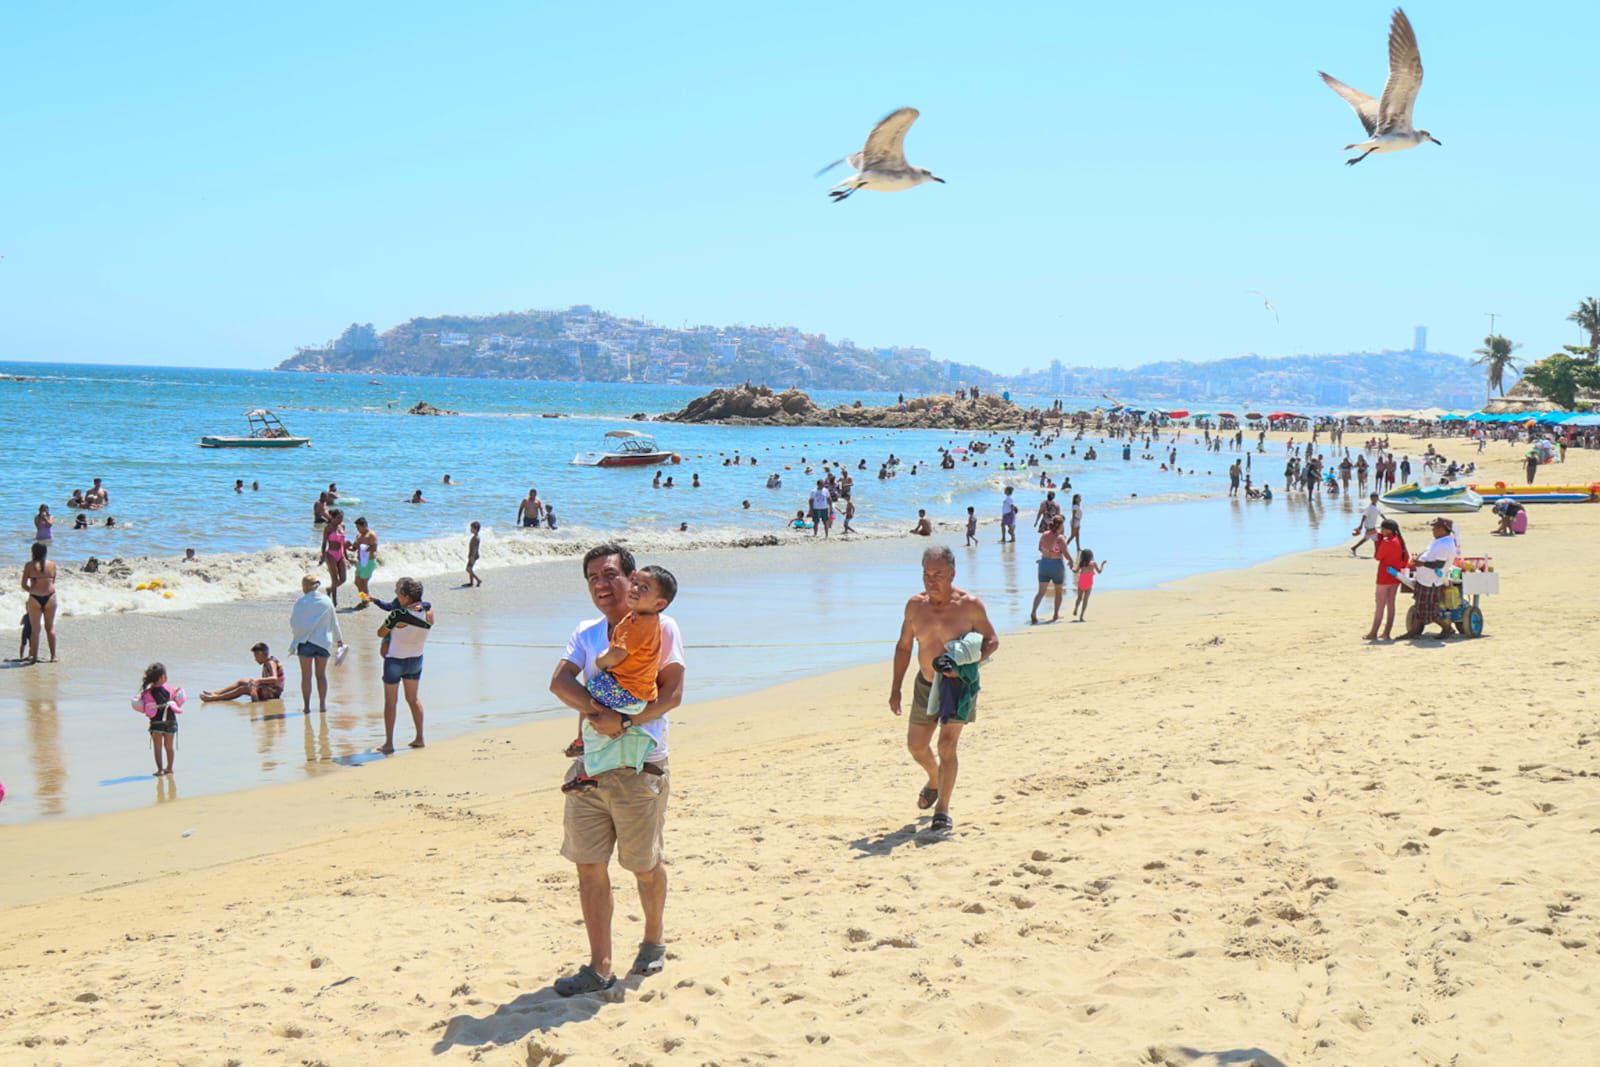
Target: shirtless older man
[939,614]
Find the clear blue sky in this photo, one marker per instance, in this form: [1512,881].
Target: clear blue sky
[212,184]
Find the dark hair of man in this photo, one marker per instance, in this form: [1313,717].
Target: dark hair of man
[609,548]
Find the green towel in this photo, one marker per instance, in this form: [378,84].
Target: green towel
[602,753]
[965,652]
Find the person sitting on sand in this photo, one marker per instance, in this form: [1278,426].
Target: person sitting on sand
[406,630]
[626,681]
[923,528]
[267,686]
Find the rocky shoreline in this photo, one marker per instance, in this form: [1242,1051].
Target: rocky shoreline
[758,405]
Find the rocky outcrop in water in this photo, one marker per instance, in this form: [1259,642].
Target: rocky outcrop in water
[757,405]
[422,407]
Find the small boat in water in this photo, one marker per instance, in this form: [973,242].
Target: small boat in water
[626,448]
[266,431]
[1412,497]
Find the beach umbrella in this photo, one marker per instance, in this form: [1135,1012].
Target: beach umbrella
[1252,414]
[1226,415]
[1179,415]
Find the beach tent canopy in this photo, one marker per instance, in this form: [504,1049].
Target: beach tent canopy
[1584,420]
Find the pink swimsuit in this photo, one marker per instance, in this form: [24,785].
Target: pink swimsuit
[1085,579]
[336,545]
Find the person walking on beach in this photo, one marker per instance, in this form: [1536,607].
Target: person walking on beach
[268,685]
[1008,517]
[626,812]
[334,543]
[1085,570]
[39,583]
[972,526]
[406,628]
[821,504]
[315,626]
[1367,528]
[365,547]
[1073,535]
[472,558]
[1390,552]
[934,618]
[160,703]
[1052,569]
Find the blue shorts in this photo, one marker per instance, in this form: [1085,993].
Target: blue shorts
[396,669]
[1053,570]
[309,650]
[605,688]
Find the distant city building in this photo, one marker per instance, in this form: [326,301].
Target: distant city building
[1419,339]
[1058,377]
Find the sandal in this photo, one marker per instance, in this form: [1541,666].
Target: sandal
[650,960]
[581,784]
[587,980]
[941,822]
[927,798]
[574,750]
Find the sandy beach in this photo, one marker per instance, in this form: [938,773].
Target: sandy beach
[1211,825]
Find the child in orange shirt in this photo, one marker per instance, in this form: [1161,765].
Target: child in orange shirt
[626,680]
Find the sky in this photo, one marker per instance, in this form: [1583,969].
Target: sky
[211,184]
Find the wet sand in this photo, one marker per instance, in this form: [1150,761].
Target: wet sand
[753,617]
[1209,826]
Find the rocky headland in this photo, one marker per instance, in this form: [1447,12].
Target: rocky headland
[758,405]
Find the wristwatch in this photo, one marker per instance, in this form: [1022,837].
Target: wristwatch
[627,720]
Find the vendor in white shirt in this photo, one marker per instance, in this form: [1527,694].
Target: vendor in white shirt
[1431,563]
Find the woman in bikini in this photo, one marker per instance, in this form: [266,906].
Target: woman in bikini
[39,582]
[333,546]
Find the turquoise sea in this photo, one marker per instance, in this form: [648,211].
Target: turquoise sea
[752,616]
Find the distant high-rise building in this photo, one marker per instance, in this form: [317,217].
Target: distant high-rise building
[1057,377]
[1419,339]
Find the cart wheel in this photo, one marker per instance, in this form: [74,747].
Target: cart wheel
[1471,624]
[1411,618]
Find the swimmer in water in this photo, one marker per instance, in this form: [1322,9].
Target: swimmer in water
[416,497]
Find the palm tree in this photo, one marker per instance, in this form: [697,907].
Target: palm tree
[1496,355]
[1588,319]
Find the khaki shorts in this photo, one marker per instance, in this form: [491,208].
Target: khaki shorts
[626,811]
[920,715]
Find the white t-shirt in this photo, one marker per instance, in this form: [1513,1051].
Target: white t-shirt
[1008,507]
[1445,548]
[1077,514]
[820,501]
[1371,517]
[590,639]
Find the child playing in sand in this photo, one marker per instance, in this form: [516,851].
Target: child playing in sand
[472,557]
[626,681]
[1085,569]
[404,632]
[160,703]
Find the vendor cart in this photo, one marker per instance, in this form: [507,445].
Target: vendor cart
[1466,581]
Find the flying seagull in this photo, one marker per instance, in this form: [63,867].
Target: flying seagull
[1388,121]
[881,164]
[1267,304]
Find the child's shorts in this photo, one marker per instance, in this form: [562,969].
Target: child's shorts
[605,688]
[404,667]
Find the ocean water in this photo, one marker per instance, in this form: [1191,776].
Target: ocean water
[69,745]
[138,430]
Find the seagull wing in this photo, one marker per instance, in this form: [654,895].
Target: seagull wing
[854,159]
[886,144]
[1366,107]
[1405,76]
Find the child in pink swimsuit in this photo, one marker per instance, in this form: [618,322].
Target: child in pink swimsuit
[160,703]
[1086,568]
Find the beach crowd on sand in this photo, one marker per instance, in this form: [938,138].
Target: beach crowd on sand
[623,672]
